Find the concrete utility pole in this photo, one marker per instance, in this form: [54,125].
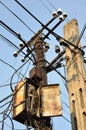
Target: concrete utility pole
[76,76]
[40,64]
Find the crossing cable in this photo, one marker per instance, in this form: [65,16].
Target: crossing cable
[17,36]
[58,72]
[10,120]
[51,4]
[10,66]
[5,104]
[11,31]
[29,13]
[53,33]
[82,32]
[6,98]
[14,74]
[11,43]
[66,119]
[8,41]
[17,17]
[45,6]
[7,110]
[7,84]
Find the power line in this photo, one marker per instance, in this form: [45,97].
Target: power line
[6,98]
[5,104]
[29,12]
[7,84]
[19,37]
[66,119]
[8,41]
[45,6]
[53,33]
[9,29]
[17,17]
[51,4]
[10,66]
[14,74]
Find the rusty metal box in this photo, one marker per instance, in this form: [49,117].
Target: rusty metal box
[19,101]
[50,101]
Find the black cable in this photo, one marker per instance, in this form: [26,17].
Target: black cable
[51,4]
[8,41]
[51,30]
[5,104]
[3,122]
[7,84]
[6,110]
[9,29]
[29,13]
[14,33]
[66,105]
[17,17]
[66,119]
[6,98]
[58,72]
[81,34]
[20,49]
[10,120]
[53,33]
[10,66]
[14,74]
[9,111]
[45,6]
[26,70]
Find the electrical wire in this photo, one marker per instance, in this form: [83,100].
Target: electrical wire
[6,110]
[66,112]
[81,34]
[66,119]
[26,70]
[9,29]
[53,33]
[17,17]
[6,98]
[5,104]
[3,123]
[45,6]
[58,72]
[14,74]
[14,33]
[51,4]
[10,121]
[29,12]
[11,67]
[66,105]
[8,41]
[7,84]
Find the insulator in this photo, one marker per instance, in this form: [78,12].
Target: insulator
[21,44]
[65,15]
[23,59]
[15,54]
[47,45]
[54,14]
[57,49]
[61,17]
[59,12]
